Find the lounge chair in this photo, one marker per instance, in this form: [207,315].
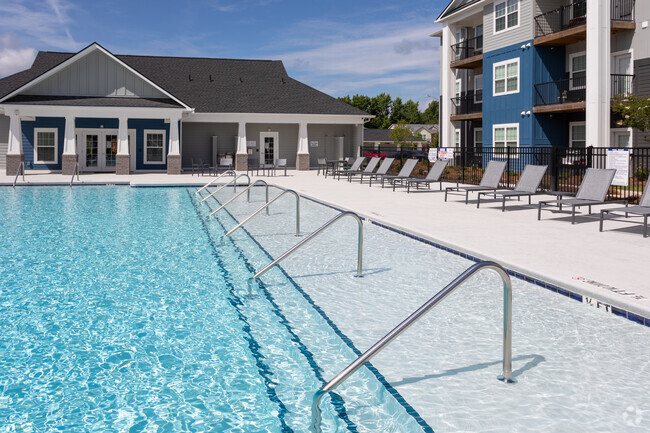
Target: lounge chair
[643,209]
[593,191]
[404,173]
[489,181]
[280,163]
[434,176]
[354,167]
[322,165]
[527,185]
[382,170]
[372,164]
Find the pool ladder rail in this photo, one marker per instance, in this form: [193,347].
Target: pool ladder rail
[75,171]
[233,182]
[21,169]
[506,375]
[226,173]
[248,190]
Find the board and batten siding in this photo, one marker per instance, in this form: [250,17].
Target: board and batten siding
[96,74]
[641,88]
[4,141]
[524,32]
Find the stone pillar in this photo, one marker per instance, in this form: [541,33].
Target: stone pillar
[241,157]
[14,145]
[174,155]
[598,100]
[302,157]
[123,157]
[69,158]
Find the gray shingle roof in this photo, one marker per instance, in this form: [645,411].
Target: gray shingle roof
[93,101]
[216,85]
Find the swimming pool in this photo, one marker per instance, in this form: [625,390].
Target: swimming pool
[120,310]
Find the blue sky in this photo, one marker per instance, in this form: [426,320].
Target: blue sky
[339,47]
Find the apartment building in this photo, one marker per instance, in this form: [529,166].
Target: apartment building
[517,73]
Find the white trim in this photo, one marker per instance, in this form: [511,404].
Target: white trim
[505,127]
[505,63]
[55,131]
[457,134]
[458,88]
[476,78]
[144,146]
[475,130]
[276,145]
[341,119]
[494,17]
[616,54]
[103,112]
[91,48]
[571,56]
[615,132]
[571,125]
[460,14]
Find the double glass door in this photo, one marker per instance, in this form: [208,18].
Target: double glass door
[99,149]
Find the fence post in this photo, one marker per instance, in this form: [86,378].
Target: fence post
[463,161]
[589,156]
[508,166]
[555,168]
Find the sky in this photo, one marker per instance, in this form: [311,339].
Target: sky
[339,47]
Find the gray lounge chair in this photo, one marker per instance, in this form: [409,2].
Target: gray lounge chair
[643,209]
[354,167]
[527,185]
[382,170]
[434,176]
[593,191]
[404,173]
[489,181]
[372,164]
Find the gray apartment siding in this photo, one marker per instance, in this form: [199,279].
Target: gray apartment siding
[197,140]
[4,138]
[542,6]
[287,140]
[325,135]
[641,88]
[524,32]
[641,36]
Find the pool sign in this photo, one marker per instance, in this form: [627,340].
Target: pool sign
[620,160]
[313,144]
[446,153]
[433,154]
[251,143]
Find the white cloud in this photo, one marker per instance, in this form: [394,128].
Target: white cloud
[14,60]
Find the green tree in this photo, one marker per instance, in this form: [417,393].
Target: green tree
[380,107]
[632,111]
[430,115]
[362,102]
[397,113]
[401,134]
[412,112]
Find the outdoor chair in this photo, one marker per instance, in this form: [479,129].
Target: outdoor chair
[642,209]
[281,163]
[322,165]
[354,167]
[593,191]
[225,164]
[527,185]
[489,181]
[372,164]
[199,166]
[382,170]
[253,165]
[434,176]
[404,173]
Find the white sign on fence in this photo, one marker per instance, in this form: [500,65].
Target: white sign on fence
[446,153]
[620,160]
[433,154]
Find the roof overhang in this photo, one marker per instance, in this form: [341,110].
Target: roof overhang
[85,111]
[341,119]
[89,49]
[460,12]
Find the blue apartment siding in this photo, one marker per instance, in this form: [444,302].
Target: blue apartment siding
[28,127]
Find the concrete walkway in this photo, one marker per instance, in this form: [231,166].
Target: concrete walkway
[611,266]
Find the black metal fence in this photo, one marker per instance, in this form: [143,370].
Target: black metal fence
[622,10]
[566,166]
[575,14]
[622,84]
[472,102]
[468,48]
[561,91]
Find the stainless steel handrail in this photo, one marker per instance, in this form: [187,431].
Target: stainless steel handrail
[506,375]
[311,236]
[266,206]
[234,181]
[21,169]
[247,189]
[75,170]
[229,172]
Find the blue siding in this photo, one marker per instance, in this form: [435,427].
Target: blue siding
[92,123]
[28,139]
[140,125]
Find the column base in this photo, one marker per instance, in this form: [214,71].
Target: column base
[122,165]
[241,162]
[12,162]
[67,164]
[302,161]
[173,164]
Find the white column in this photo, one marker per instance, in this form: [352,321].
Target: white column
[447,80]
[174,141]
[69,142]
[241,139]
[303,140]
[598,101]
[123,137]
[15,143]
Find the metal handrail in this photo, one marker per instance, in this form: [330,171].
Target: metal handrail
[75,170]
[425,308]
[247,189]
[311,236]
[216,179]
[266,206]
[21,169]
[227,184]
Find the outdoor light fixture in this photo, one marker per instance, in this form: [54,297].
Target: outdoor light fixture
[523,113]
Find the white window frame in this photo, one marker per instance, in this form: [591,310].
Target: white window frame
[571,125]
[458,88]
[614,131]
[456,137]
[145,147]
[505,127]
[505,63]
[56,145]
[494,17]
[571,56]
[478,78]
[475,131]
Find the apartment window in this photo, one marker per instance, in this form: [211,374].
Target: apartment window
[577,134]
[578,72]
[478,89]
[506,15]
[46,146]
[459,88]
[506,77]
[505,135]
[457,138]
[478,138]
[154,147]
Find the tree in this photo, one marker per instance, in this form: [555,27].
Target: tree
[380,106]
[430,115]
[632,111]
[401,134]
[397,113]
[362,102]
[412,112]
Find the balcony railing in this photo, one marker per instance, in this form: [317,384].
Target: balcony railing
[575,14]
[468,48]
[561,91]
[470,103]
[622,84]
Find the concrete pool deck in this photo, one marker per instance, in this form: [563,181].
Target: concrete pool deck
[608,266]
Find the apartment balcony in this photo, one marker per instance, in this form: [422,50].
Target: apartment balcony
[568,95]
[468,107]
[568,24]
[468,54]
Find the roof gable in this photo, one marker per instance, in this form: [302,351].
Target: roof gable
[455,6]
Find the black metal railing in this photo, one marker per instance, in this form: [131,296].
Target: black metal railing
[472,102]
[622,10]
[468,48]
[561,91]
[575,14]
[622,84]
